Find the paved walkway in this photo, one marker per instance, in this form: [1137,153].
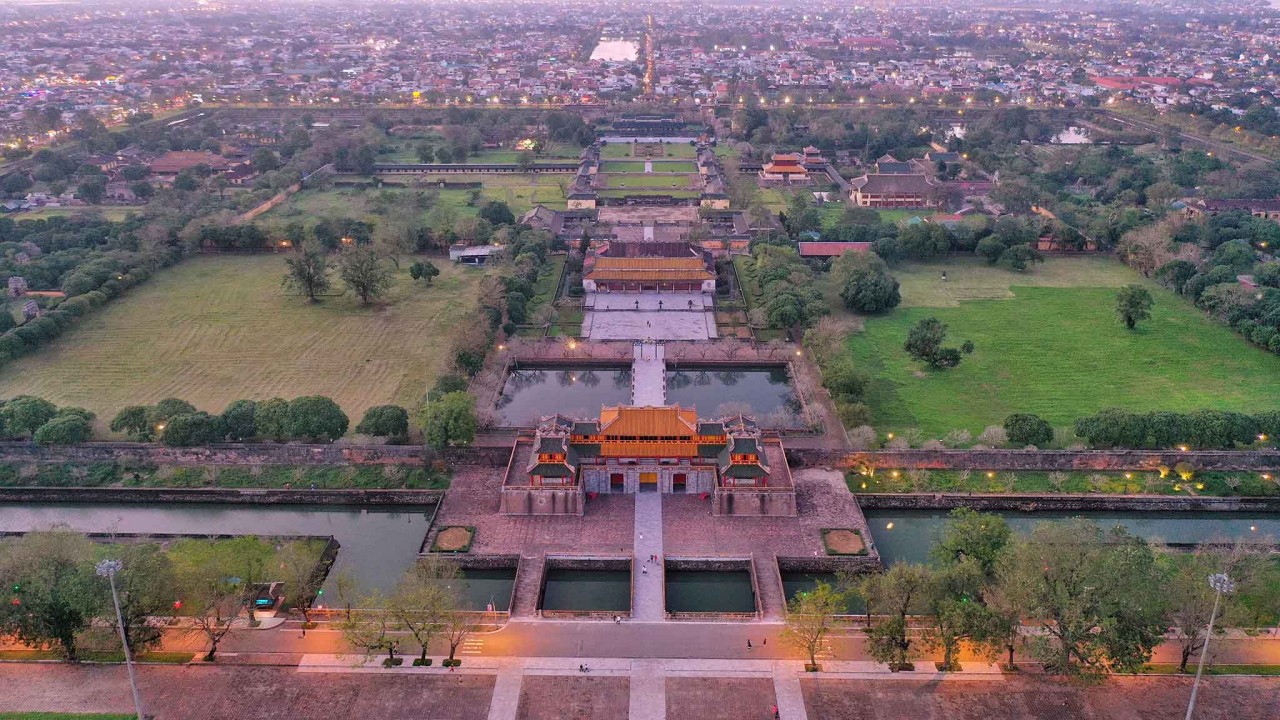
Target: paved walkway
[648,541]
[787,693]
[648,691]
[649,375]
[648,166]
[649,325]
[506,692]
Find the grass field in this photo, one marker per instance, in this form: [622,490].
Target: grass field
[640,180]
[214,329]
[519,192]
[112,213]
[1048,342]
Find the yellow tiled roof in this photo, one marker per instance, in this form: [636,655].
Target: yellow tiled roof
[648,275]
[627,421]
[649,263]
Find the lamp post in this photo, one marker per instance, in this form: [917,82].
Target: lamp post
[1221,584]
[108,570]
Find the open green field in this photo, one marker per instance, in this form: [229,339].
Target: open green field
[215,329]
[1048,342]
[616,150]
[519,192]
[633,180]
[622,166]
[112,213]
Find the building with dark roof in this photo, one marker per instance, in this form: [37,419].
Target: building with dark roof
[893,191]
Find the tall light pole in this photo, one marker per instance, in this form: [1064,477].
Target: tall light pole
[108,570]
[1221,584]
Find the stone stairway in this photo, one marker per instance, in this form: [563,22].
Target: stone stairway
[528,586]
[773,602]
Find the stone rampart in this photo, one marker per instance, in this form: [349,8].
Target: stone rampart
[246,454]
[1065,460]
[1065,503]
[231,496]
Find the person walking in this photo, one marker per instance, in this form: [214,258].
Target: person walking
[748,643]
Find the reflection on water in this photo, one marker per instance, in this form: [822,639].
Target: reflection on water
[378,543]
[601,590]
[907,535]
[709,591]
[488,589]
[576,391]
[764,393]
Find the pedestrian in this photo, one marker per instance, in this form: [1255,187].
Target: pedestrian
[617,619]
[764,642]
[582,668]
[774,710]
[644,570]
[748,643]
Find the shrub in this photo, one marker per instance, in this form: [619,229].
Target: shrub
[240,421]
[316,417]
[446,384]
[64,430]
[1027,429]
[24,414]
[863,437]
[1185,470]
[994,436]
[385,421]
[191,429]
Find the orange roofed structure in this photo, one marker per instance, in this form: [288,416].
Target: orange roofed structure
[656,274]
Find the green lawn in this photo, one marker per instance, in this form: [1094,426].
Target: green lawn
[1048,343]
[214,329]
[108,212]
[641,180]
[622,166]
[1214,484]
[616,150]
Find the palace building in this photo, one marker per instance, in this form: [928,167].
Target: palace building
[629,449]
[787,168]
[649,274]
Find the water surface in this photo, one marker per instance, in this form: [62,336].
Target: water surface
[710,591]
[578,391]
[600,590]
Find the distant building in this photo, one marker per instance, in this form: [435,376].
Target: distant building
[472,254]
[893,191]
[831,249]
[1257,207]
[786,168]
[167,166]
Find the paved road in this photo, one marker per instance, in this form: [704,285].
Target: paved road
[636,639]
[1217,146]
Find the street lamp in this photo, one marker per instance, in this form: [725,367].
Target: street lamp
[1220,584]
[108,570]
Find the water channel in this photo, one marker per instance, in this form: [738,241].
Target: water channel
[598,590]
[377,543]
[709,591]
[907,535]
[577,391]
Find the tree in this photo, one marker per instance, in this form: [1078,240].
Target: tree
[1027,429]
[1133,305]
[924,344]
[65,429]
[56,593]
[421,601]
[92,190]
[146,586]
[272,419]
[364,273]
[955,614]
[316,417]
[299,567]
[497,213]
[191,429]
[449,421]
[24,414]
[1094,595]
[865,283]
[525,161]
[370,628]
[423,270]
[844,379]
[263,160]
[133,421]
[991,248]
[896,593]
[308,272]
[971,535]
[384,421]
[446,384]
[1019,257]
[424,152]
[809,619]
[239,420]
[215,580]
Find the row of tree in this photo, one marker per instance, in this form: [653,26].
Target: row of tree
[1079,597]
[55,593]
[1201,429]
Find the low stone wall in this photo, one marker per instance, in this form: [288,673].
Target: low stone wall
[625,563]
[246,454]
[1064,503]
[542,501]
[829,563]
[230,496]
[1048,460]
[755,503]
